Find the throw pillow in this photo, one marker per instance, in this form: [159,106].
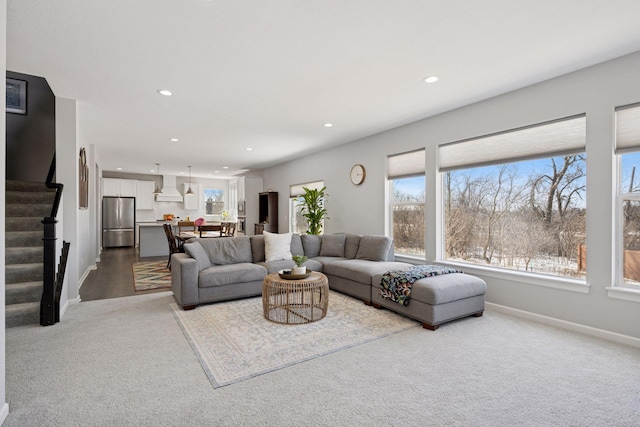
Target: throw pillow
[311,244]
[277,246]
[196,251]
[351,245]
[332,245]
[374,248]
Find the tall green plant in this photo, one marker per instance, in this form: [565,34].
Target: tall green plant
[312,208]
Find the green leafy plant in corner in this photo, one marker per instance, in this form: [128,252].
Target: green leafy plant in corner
[312,208]
[299,259]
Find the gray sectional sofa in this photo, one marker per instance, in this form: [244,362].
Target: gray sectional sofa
[213,270]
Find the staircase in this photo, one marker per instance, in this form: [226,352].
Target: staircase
[27,203]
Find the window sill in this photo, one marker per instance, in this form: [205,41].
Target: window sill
[622,293]
[562,283]
[411,259]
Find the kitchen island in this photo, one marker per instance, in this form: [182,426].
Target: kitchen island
[153,240]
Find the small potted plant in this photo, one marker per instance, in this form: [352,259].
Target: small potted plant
[300,268]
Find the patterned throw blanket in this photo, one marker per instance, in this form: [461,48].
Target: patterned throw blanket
[396,284]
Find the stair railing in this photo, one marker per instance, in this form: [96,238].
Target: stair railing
[52,287]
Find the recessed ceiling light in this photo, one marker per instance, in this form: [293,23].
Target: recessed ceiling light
[225,167]
[181,173]
[152,170]
[174,140]
[249,149]
[431,79]
[118,169]
[165,92]
[328,125]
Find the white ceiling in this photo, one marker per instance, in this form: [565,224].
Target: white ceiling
[267,74]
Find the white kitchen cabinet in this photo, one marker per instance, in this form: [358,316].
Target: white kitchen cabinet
[119,187]
[191,202]
[144,194]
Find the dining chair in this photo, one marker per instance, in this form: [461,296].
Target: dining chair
[186,226]
[228,229]
[173,245]
[206,228]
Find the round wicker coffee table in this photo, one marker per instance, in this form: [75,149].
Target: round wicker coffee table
[295,301]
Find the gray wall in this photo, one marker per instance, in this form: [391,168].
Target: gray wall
[31,138]
[595,91]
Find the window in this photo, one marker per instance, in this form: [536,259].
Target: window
[298,223]
[407,217]
[516,199]
[628,150]
[213,201]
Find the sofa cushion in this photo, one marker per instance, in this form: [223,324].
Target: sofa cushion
[360,270]
[311,245]
[324,260]
[443,288]
[196,251]
[218,275]
[374,248]
[277,246]
[351,245]
[275,266]
[257,247]
[332,245]
[296,245]
[227,250]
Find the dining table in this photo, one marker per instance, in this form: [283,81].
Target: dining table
[212,231]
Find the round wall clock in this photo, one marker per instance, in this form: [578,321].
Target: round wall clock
[358,173]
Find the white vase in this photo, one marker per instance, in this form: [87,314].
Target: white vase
[299,270]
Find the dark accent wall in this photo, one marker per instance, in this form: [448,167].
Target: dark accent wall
[31,137]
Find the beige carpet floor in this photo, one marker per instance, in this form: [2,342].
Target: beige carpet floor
[234,342]
[126,362]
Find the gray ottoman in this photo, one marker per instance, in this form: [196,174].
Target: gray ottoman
[438,299]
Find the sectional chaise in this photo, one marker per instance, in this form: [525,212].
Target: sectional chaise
[221,269]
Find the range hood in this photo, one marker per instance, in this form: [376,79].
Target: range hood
[169,191]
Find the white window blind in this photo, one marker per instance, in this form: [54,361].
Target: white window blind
[298,190]
[406,165]
[558,137]
[628,128]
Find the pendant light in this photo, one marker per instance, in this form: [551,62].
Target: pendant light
[189,190]
[157,190]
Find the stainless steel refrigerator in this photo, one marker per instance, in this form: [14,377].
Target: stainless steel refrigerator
[118,221]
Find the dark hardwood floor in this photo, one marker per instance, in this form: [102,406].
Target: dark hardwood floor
[114,276]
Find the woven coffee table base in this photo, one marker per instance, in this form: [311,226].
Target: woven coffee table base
[295,301]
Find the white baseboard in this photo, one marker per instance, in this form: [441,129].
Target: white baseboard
[4,412]
[86,273]
[576,327]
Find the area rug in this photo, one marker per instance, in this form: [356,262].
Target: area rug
[151,275]
[234,342]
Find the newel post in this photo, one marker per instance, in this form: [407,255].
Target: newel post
[47,303]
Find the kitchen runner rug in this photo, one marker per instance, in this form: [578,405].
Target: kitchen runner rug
[151,275]
[234,342]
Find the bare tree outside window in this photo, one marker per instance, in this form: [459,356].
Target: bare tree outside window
[407,211]
[299,224]
[630,206]
[213,201]
[527,215]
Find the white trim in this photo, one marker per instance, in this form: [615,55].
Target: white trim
[562,283]
[86,273]
[411,259]
[4,412]
[63,309]
[576,327]
[622,293]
